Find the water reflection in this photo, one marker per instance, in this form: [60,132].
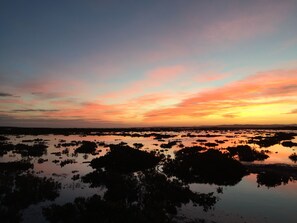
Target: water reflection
[147,196]
[19,191]
[145,176]
[211,166]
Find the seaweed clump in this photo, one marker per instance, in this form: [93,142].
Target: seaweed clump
[211,166]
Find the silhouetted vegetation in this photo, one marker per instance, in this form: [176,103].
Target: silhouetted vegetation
[246,153]
[189,151]
[138,145]
[201,140]
[105,131]
[211,166]
[293,157]
[5,147]
[86,147]
[136,185]
[168,145]
[211,144]
[63,143]
[272,179]
[16,166]
[289,144]
[67,161]
[272,175]
[125,159]
[267,141]
[220,141]
[20,191]
[146,197]
[3,138]
[40,160]
[208,135]
[34,150]
[37,140]
[75,177]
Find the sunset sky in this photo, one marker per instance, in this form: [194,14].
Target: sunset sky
[135,63]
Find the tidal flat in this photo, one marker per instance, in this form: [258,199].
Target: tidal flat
[148,175]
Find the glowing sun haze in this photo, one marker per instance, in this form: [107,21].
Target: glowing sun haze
[147,63]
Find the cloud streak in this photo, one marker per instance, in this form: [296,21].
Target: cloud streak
[294,111]
[153,79]
[3,94]
[265,88]
[34,110]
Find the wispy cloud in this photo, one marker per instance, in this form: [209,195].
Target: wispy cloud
[294,111]
[153,79]
[6,120]
[247,24]
[3,94]
[34,110]
[266,88]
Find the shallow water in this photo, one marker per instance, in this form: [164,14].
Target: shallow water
[247,201]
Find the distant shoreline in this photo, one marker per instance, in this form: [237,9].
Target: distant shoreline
[58,130]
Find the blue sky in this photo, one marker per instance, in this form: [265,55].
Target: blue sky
[120,63]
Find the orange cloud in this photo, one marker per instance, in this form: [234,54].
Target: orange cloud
[294,111]
[263,96]
[278,87]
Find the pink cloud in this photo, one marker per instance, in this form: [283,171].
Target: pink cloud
[278,87]
[150,98]
[224,30]
[210,77]
[247,23]
[154,78]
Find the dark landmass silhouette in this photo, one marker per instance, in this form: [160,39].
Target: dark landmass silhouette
[96,131]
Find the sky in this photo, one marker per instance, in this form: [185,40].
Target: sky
[131,63]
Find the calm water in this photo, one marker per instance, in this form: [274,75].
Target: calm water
[246,201]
